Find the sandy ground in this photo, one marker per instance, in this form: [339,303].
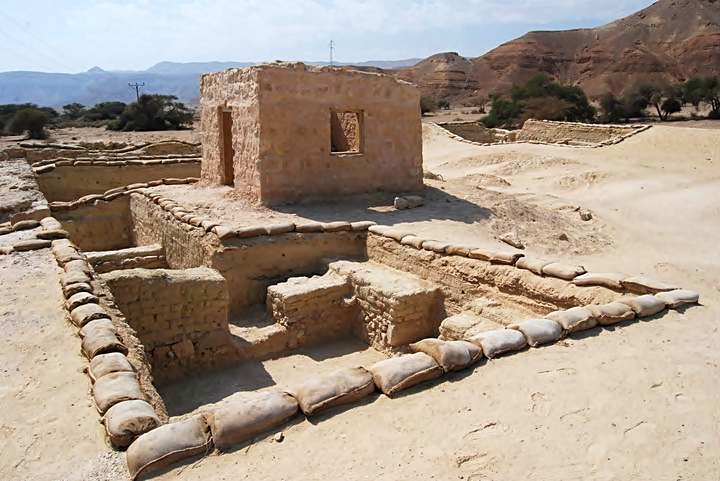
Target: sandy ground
[637,402]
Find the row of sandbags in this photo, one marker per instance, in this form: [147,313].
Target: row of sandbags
[238,421]
[116,390]
[119,161]
[51,230]
[116,192]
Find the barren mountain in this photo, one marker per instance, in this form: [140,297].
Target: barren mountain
[671,40]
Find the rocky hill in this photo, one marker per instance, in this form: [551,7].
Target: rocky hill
[671,40]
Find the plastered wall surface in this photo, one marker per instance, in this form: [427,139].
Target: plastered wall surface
[99,226]
[552,132]
[282,132]
[67,183]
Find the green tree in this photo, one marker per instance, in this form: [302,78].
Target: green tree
[670,106]
[73,111]
[30,120]
[427,104]
[153,112]
[105,111]
[443,104]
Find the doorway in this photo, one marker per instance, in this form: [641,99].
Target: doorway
[227,150]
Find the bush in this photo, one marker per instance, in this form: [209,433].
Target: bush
[153,112]
[30,120]
[443,104]
[105,111]
[427,104]
[543,99]
[714,115]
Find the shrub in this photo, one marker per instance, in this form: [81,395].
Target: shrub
[30,120]
[714,115]
[443,104]
[153,112]
[427,104]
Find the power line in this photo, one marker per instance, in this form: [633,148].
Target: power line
[39,39]
[332,48]
[36,51]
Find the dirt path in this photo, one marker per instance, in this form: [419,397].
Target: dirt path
[49,427]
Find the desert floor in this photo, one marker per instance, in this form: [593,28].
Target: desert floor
[638,402]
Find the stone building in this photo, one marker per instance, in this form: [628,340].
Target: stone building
[284,133]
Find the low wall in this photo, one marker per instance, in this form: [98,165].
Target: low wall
[252,265]
[180,317]
[570,132]
[67,183]
[100,225]
[184,246]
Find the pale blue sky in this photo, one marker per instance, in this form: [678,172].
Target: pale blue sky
[75,35]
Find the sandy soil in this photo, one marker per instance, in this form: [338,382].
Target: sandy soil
[637,402]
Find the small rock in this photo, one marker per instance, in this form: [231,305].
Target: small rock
[563,237]
[512,238]
[401,204]
[279,437]
[585,215]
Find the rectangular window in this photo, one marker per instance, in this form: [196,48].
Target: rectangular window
[346,132]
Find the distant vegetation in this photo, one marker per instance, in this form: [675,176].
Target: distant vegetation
[540,98]
[151,112]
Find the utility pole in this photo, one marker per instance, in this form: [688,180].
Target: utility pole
[137,87]
[332,47]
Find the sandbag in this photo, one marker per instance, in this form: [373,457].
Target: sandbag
[450,355]
[563,271]
[398,373]
[114,388]
[500,341]
[539,331]
[81,315]
[609,280]
[612,313]
[127,420]
[574,319]
[344,386]
[102,341]
[96,325]
[531,264]
[80,298]
[103,364]
[73,289]
[645,285]
[239,421]
[678,297]
[645,306]
[168,444]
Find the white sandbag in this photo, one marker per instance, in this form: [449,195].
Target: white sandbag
[563,271]
[532,264]
[609,280]
[114,388]
[539,331]
[645,285]
[80,298]
[81,315]
[574,319]
[450,355]
[678,297]
[167,445]
[103,364]
[239,421]
[102,341]
[500,341]
[645,306]
[127,420]
[398,373]
[611,313]
[344,386]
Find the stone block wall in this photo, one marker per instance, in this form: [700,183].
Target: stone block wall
[394,308]
[99,226]
[570,132]
[180,316]
[67,183]
[313,309]
[183,247]
[252,265]
[282,116]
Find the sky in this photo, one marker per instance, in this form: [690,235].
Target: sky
[76,35]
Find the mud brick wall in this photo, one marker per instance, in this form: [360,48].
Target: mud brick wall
[99,226]
[180,316]
[253,265]
[556,132]
[313,309]
[282,116]
[67,183]
[184,247]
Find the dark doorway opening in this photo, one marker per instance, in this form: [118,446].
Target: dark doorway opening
[228,152]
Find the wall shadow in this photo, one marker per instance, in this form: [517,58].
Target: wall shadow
[439,205]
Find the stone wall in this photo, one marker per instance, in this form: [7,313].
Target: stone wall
[66,183]
[282,116]
[184,246]
[180,317]
[570,132]
[251,265]
[100,225]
